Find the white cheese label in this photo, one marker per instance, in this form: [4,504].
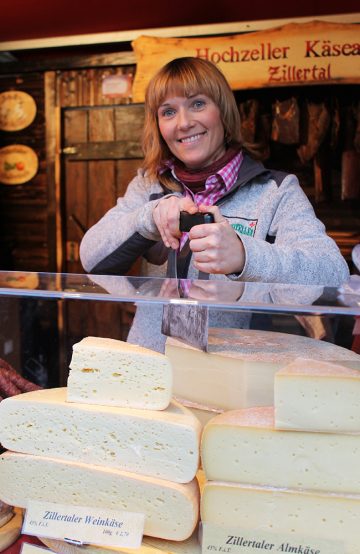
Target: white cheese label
[235,541]
[82,525]
[27,548]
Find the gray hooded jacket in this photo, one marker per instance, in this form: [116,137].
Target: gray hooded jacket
[284,241]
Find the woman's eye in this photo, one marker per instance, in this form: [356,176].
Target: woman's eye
[198,104]
[168,112]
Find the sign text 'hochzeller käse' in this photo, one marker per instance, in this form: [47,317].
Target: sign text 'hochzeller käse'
[295,54]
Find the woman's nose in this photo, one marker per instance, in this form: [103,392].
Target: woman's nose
[184,119]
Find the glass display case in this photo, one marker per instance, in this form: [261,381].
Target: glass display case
[260,433]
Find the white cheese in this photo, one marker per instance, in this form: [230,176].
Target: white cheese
[238,369]
[112,372]
[318,396]
[171,509]
[202,413]
[242,446]
[162,444]
[283,513]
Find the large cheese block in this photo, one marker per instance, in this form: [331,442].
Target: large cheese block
[162,444]
[284,513]
[238,369]
[242,446]
[318,396]
[113,372]
[171,509]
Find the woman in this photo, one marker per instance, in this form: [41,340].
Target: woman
[264,226]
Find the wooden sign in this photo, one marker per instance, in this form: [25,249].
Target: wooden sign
[17,110]
[295,54]
[18,164]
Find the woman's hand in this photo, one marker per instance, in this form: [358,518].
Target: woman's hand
[166,216]
[216,247]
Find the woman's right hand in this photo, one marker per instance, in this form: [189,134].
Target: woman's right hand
[167,215]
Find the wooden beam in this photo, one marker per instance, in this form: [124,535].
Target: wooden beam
[65,61]
[106,150]
[183,31]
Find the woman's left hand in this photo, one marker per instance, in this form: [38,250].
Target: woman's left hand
[216,247]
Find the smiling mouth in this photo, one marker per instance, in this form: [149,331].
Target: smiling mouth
[193,138]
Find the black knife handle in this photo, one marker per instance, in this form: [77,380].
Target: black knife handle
[187,221]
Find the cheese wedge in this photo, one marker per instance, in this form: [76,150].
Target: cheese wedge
[11,531]
[242,446]
[162,444]
[202,413]
[318,396]
[171,509]
[149,545]
[284,512]
[5,516]
[112,372]
[238,369]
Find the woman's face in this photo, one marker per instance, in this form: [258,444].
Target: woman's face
[192,129]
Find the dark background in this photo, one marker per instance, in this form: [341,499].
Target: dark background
[27,19]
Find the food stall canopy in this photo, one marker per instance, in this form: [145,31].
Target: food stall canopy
[33,19]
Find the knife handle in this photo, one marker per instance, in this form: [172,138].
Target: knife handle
[187,221]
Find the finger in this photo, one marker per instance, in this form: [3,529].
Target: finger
[214,210]
[188,205]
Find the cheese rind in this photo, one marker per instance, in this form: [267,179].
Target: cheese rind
[317,396]
[171,509]
[5,516]
[163,444]
[238,369]
[11,531]
[112,372]
[283,512]
[242,446]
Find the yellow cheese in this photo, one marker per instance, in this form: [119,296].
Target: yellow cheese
[11,531]
[238,370]
[112,372]
[284,512]
[242,446]
[318,396]
[163,444]
[171,509]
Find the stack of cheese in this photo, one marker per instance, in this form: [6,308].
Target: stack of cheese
[293,470]
[112,440]
[238,369]
[10,525]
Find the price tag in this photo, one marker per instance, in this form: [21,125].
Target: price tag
[82,525]
[241,541]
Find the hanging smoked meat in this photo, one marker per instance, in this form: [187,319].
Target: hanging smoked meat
[350,159]
[255,129]
[357,130]
[335,123]
[285,121]
[249,114]
[317,125]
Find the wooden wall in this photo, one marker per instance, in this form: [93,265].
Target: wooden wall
[30,240]
[24,208]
